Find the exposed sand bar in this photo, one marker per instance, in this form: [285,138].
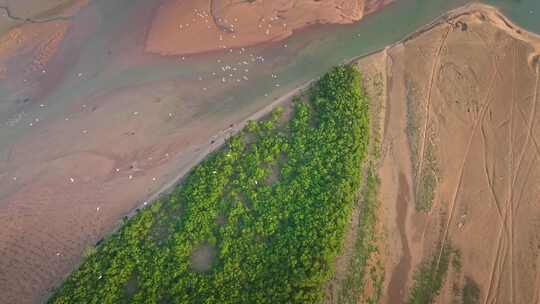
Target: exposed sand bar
[190,27]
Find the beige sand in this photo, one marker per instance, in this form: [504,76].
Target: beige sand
[472,79]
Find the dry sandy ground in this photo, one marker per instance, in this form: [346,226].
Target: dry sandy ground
[462,106]
[185,27]
[77,153]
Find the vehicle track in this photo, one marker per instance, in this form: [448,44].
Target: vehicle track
[530,128]
[427,118]
[496,259]
[498,73]
[478,121]
[511,187]
[489,180]
[496,264]
[537,154]
[434,69]
[515,175]
[536,145]
[489,49]
[502,218]
[527,175]
[513,205]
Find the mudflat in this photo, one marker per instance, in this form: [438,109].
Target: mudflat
[80,147]
[187,27]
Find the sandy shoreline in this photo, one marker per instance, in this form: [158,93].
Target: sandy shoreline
[497,18]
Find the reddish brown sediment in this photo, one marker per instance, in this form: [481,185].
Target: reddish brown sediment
[44,212]
[189,27]
[39,11]
[60,190]
[27,49]
[32,44]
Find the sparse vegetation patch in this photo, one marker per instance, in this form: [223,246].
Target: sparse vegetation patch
[471,292]
[428,175]
[429,277]
[360,272]
[424,163]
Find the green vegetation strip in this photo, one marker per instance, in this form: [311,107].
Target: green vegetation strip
[365,247]
[260,221]
[471,292]
[429,277]
[425,172]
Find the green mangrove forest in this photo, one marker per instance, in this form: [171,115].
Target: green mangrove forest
[259,221]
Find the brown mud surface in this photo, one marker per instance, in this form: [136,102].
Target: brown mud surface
[186,27]
[92,127]
[462,107]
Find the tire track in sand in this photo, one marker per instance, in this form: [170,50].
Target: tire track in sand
[434,69]
[498,73]
[484,136]
[477,122]
[511,204]
[529,168]
[537,279]
[494,276]
[489,180]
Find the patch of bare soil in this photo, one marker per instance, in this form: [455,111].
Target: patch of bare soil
[187,27]
[461,157]
[202,258]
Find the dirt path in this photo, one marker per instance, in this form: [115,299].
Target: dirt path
[434,69]
[477,123]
